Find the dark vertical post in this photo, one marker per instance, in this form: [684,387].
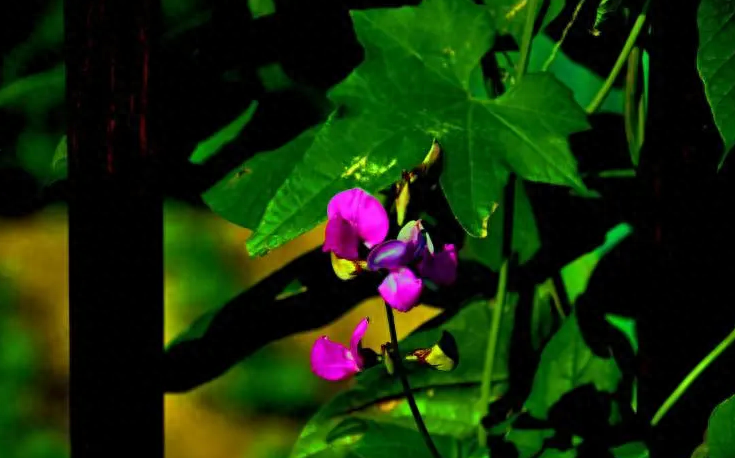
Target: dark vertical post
[685,296]
[115,229]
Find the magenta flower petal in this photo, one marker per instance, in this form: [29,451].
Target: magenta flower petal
[341,239]
[331,360]
[364,212]
[357,335]
[390,254]
[401,289]
[415,236]
[441,268]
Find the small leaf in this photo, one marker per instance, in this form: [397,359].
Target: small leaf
[716,63]
[567,363]
[213,144]
[721,430]
[604,11]
[631,450]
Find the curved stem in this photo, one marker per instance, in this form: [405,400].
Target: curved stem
[406,387]
[526,39]
[689,379]
[622,58]
[492,343]
[564,33]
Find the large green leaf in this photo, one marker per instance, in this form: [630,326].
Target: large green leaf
[414,86]
[567,363]
[716,63]
[721,430]
[243,195]
[447,400]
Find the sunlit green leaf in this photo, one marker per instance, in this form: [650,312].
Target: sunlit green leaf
[243,195]
[721,430]
[567,363]
[413,87]
[716,63]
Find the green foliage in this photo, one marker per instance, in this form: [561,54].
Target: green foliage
[416,85]
[351,421]
[568,363]
[510,15]
[721,430]
[604,10]
[716,63]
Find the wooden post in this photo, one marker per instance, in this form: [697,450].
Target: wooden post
[115,229]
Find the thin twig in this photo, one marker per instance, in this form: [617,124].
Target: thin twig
[558,44]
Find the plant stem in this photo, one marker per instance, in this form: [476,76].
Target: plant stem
[526,39]
[406,387]
[558,44]
[689,379]
[631,108]
[492,343]
[627,48]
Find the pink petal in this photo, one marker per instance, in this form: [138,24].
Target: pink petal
[414,235]
[401,289]
[441,268]
[363,211]
[331,360]
[341,239]
[357,335]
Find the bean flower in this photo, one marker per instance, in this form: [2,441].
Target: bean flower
[354,217]
[333,361]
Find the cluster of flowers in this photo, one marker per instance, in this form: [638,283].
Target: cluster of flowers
[354,218]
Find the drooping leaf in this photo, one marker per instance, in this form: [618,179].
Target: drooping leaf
[447,400]
[243,195]
[568,363]
[213,144]
[716,63]
[721,430]
[412,88]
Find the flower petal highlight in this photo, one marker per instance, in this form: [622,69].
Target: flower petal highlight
[401,289]
[331,360]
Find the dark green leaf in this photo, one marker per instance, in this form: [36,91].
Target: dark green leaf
[243,195]
[721,430]
[716,63]
[567,363]
[528,441]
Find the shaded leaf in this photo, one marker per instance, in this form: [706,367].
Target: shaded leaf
[528,442]
[510,15]
[631,450]
[716,63]
[721,430]
[568,363]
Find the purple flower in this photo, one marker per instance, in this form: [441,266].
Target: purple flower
[333,361]
[354,216]
[402,288]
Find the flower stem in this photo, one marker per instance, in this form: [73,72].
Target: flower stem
[689,379]
[492,343]
[406,387]
[622,58]
[526,39]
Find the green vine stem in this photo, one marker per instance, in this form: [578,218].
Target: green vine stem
[406,387]
[564,33]
[526,39]
[492,343]
[622,58]
[689,379]
[631,108]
